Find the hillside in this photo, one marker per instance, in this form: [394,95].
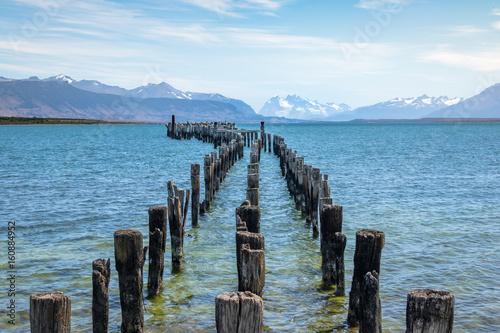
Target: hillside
[59,99]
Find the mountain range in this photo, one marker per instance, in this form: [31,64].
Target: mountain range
[397,108]
[62,97]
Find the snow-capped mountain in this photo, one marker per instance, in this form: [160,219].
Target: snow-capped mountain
[295,107]
[152,90]
[401,108]
[484,105]
[160,90]
[60,77]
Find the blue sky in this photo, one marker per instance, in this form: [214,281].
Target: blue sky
[358,52]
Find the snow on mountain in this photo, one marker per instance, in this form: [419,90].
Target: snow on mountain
[295,107]
[161,90]
[484,105]
[60,77]
[400,108]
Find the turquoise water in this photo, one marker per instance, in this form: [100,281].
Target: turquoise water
[434,189]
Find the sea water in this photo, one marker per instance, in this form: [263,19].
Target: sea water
[434,189]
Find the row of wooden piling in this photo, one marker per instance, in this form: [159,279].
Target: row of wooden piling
[311,194]
[427,310]
[243,311]
[216,167]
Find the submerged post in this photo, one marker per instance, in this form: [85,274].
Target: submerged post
[430,310]
[176,232]
[369,245]
[50,313]
[157,244]
[252,271]
[129,257]
[371,310]
[254,240]
[333,244]
[101,272]
[173,126]
[250,215]
[195,194]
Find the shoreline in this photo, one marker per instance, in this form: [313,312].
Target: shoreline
[65,121]
[78,121]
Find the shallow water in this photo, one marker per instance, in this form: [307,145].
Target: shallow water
[434,189]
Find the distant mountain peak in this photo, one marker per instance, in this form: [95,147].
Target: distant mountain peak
[60,77]
[295,107]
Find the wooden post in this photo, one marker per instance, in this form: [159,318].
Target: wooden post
[173,126]
[129,258]
[251,215]
[254,157]
[253,188]
[254,240]
[322,203]
[369,245]
[339,243]
[430,311]
[240,312]
[195,190]
[206,168]
[50,313]
[100,298]
[253,168]
[175,223]
[316,182]
[371,310]
[269,142]
[157,244]
[253,180]
[331,223]
[252,270]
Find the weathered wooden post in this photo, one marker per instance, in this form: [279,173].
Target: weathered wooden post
[316,182]
[252,270]
[129,258]
[333,244]
[173,126]
[251,215]
[195,194]
[157,244]
[369,245]
[50,313]
[176,232]
[101,272]
[207,173]
[253,188]
[240,312]
[430,311]
[371,319]
[254,240]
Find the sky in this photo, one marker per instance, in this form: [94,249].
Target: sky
[358,52]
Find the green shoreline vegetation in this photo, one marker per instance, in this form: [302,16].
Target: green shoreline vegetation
[61,121]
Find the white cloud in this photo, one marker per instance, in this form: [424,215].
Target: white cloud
[231,7]
[465,30]
[384,5]
[496,12]
[483,61]
[496,25]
